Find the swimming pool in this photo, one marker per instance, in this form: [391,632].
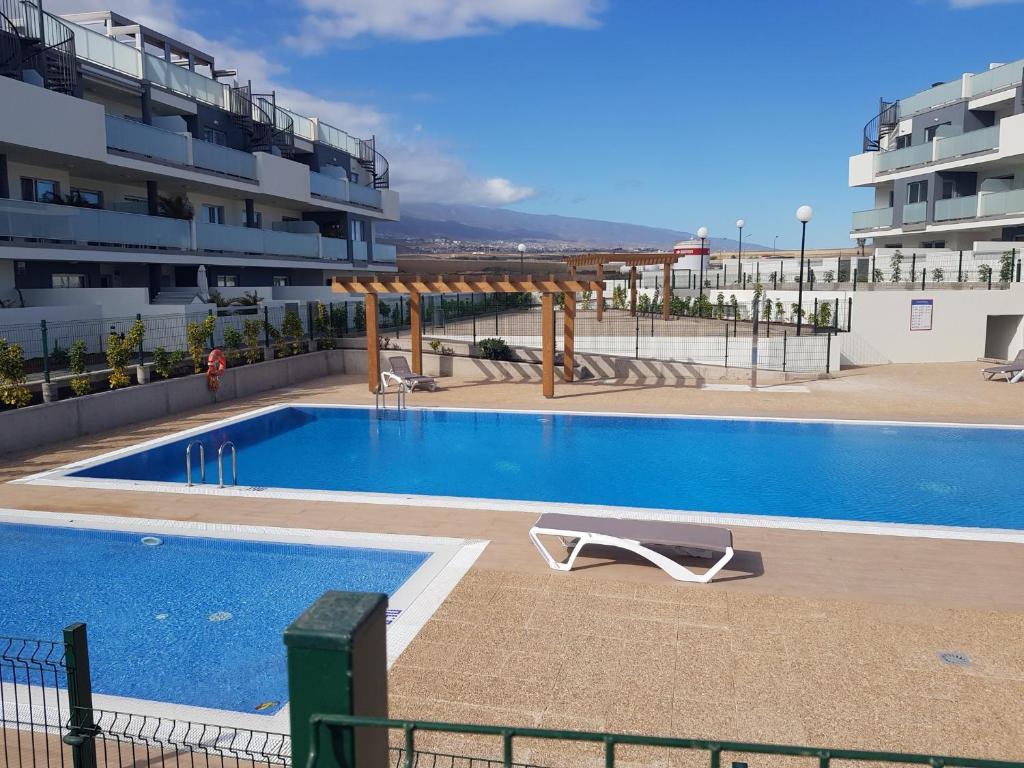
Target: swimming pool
[929,475]
[189,619]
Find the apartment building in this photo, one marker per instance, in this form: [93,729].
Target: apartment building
[128,159]
[946,166]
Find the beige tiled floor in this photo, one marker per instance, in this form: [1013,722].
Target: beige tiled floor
[821,638]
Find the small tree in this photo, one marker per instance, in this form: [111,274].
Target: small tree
[876,275]
[120,348]
[780,310]
[825,314]
[735,304]
[984,273]
[80,384]
[938,275]
[196,335]
[720,306]
[829,276]
[619,297]
[1006,267]
[643,303]
[165,363]
[796,311]
[233,344]
[324,327]
[587,297]
[291,329]
[360,317]
[703,306]
[766,311]
[895,262]
[12,375]
[251,328]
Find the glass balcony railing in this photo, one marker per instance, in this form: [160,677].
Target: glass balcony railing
[90,226]
[1001,203]
[214,157]
[184,81]
[334,249]
[903,158]
[364,195]
[146,140]
[337,138]
[876,218]
[105,51]
[359,250]
[933,97]
[956,208]
[249,240]
[304,127]
[967,143]
[384,252]
[914,213]
[997,79]
[328,187]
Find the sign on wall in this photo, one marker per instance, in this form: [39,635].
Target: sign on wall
[921,314]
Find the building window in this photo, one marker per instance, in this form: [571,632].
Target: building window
[214,136]
[903,142]
[280,281]
[39,190]
[933,244]
[917,192]
[227,281]
[357,230]
[88,196]
[65,280]
[213,214]
[931,130]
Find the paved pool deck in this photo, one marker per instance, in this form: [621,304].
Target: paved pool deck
[818,638]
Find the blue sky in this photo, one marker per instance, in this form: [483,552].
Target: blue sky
[657,112]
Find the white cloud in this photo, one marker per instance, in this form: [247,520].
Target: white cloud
[434,19]
[421,170]
[963,4]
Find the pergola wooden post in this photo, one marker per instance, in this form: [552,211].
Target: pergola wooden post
[416,332]
[666,294]
[547,301]
[372,341]
[415,286]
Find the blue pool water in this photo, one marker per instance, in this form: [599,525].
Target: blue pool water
[931,475]
[192,621]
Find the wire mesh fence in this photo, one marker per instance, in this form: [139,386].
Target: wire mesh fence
[33,708]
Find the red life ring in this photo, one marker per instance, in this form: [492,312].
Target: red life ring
[216,365]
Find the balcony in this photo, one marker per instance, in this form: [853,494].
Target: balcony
[359,250]
[1002,203]
[967,143]
[914,213]
[90,227]
[946,93]
[333,249]
[328,187]
[903,158]
[147,141]
[996,79]
[364,195]
[232,162]
[877,218]
[250,240]
[384,253]
[956,208]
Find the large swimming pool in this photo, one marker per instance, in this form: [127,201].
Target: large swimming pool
[192,620]
[892,473]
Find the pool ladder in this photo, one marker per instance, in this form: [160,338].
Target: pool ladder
[220,463]
[380,395]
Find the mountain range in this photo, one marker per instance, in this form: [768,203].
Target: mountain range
[478,224]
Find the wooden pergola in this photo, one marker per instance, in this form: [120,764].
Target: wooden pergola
[414,286]
[631,260]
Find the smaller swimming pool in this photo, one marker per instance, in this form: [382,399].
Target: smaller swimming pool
[188,615]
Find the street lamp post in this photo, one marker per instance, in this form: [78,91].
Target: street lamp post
[702,233]
[774,243]
[803,215]
[739,255]
[522,249]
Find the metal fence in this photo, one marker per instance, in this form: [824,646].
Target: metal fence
[710,334]
[33,706]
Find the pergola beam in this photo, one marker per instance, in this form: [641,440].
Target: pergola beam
[409,284]
[629,259]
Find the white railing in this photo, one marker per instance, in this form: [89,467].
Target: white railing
[996,79]
[956,208]
[328,187]
[214,157]
[338,138]
[186,82]
[229,239]
[364,195]
[303,127]
[933,97]
[1000,203]
[90,226]
[967,143]
[914,213]
[876,218]
[105,51]
[902,158]
[384,253]
[146,140]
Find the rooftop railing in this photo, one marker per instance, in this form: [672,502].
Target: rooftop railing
[996,79]
[936,96]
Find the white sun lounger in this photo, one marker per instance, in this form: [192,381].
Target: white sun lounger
[642,537]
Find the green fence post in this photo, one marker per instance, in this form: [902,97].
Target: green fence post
[309,323]
[213,343]
[142,355]
[46,352]
[337,665]
[266,327]
[80,725]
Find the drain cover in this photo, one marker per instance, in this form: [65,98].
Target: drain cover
[955,658]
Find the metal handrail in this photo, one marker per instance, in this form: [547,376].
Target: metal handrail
[220,464]
[824,757]
[188,462]
[889,115]
[380,395]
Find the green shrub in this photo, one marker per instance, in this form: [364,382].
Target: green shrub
[120,348]
[984,273]
[165,363]
[232,344]
[12,375]
[291,329]
[619,297]
[1006,267]
[59,356]
[251,328]
[825,314]
[80,384]
[197,335]
[360,317]
[495,349]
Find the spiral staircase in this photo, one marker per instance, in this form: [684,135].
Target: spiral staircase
[32,40]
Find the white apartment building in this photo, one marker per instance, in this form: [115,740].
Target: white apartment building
[946,166]
[128,160]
